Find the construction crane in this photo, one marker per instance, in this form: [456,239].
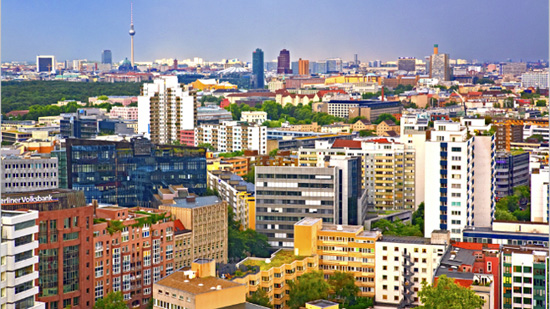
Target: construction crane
[463,102]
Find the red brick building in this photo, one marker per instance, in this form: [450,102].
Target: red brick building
[132,249]
[65,236]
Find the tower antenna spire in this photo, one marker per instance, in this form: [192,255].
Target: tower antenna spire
[131,13]
[132,33]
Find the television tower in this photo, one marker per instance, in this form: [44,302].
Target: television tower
[132,33]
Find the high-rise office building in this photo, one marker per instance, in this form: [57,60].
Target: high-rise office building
[19,260]
[258,69]
[535,79]
[334,65]
[65,247]
[45,64]
[129,173]
[286,195]
[439,65]
[106,57]
[232,136]
[406,64]
[303,67]
[455,196]
[165,108]
[511,170]
[28,174]
[283,62]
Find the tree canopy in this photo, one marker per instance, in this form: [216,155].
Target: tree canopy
[308,287]
[243,243]
[259,297]
[514,207]
[383,117]
[21,95]
[447,294]
[113,300]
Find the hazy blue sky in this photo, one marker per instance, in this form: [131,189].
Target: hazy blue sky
[381,29]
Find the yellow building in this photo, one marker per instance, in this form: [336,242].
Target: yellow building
[197,288]
[272,274]
[206,217]
[211,84]
[387,126]
[344,248]
[245,200]
[352,79]
[363,124]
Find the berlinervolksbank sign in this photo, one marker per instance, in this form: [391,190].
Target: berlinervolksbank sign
[27,199]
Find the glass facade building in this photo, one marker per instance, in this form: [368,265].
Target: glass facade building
[258,68]
[128,173]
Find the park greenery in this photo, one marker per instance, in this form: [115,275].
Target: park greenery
[340,288]
[21,95]
[398,228]
[515,207]
[301,114]
[445,293]
[113,300]
[244,242]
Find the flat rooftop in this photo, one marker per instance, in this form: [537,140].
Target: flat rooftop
[307,221]
[342,228]
[321,303]
[278,259]
[195,286]
[405,239]
[199,201]
[453,259]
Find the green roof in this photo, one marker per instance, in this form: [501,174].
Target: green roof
[281,257]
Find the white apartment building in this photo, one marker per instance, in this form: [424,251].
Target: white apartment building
[18,261]
[28,174]
[165,109]
[530,130]
[388,169]
[413,135]
[233,136]
[124,112]
[539,195]
[402,263]
[524,273]
[459,187]
[257,117]
[535,79]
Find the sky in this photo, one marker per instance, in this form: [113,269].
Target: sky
[485,30]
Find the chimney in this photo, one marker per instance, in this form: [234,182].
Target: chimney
[94,203]
[436,49]
[382,94]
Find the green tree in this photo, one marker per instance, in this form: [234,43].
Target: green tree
[445,293]
[496,105]
[538,137]
[418,217]
[504,215]
[113,300]
[273,152]
[259,297]
[366,133]
[308,287]
[355,119]
[207,146]
[540,103]
[343,288]
[362,303]
[251,175]
[243,243]
[397,228]
[383,117]
[103,98]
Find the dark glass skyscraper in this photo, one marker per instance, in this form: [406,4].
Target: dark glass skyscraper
[283,62]
[106,57]
[128,173]
[258,68]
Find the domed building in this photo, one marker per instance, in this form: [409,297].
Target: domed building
[126,66]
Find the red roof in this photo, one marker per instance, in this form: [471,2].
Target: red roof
[346,143]
[252,94]
[322,93]
[380,141]
[178,225]
[18,113]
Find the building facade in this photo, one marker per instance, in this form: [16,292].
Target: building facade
[19,267]
[524,277]
[347,248]
[506,134]
[45,64]
[439,65]
[206,217]
[165,108]
[401,265]
[258,69]
[28,174]
[511,170]
[233,136]
[65,246]
[124,112]
[303,67]
[257,117]
[133,248]
[453,206]
[236,192]
[283,62]
[129,173]
[535,80]
[388,169]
